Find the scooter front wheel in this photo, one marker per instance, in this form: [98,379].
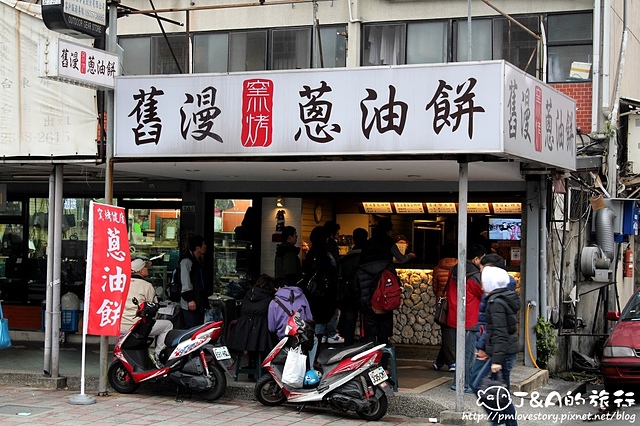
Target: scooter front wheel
[268,393]
[219,383]
[377,409]
[120,379]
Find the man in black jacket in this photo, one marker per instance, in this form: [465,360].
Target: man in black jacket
[287,261]
[193,301]
[348,290]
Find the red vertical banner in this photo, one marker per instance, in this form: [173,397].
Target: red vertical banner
[537,117]
[257,107]
[108,270]
[83,62]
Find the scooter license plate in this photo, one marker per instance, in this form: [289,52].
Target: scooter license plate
[378,376]
[221,352]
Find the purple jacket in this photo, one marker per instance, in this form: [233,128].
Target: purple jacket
[278,317]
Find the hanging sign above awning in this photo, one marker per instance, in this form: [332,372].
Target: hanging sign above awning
[487,107]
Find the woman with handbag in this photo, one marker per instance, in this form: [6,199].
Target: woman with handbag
[440,277]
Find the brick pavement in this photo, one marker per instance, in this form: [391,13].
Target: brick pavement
[35,407]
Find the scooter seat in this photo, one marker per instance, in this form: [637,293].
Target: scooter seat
[334,355]
[176,336]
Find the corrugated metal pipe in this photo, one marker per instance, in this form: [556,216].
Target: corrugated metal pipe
[604,231]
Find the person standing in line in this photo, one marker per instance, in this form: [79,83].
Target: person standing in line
[348,290]
[323,302]
[440,276]
[193,300]
[143,291]
[294,299]
[377,255]
[287,260]
[251,331]
[333,229]
[491,259]
[502,338]
[475,253]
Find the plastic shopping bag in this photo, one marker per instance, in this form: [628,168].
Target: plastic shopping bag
[294,368]
[5,339]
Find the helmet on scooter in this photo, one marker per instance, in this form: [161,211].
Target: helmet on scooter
[311,378]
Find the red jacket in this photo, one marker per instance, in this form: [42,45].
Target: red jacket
[474,295]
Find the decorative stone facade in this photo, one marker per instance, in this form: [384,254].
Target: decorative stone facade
[413,321]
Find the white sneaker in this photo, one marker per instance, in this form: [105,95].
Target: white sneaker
[335,339]
[324,339]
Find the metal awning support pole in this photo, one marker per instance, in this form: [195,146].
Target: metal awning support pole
[461,283]
[108,184]
[49,291]
[57,255]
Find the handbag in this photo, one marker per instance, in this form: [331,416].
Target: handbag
[442,310]
[317,286]
[5,339]
[493,392]
[442,306]
[294,368]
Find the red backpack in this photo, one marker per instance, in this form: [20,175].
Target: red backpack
[388,294]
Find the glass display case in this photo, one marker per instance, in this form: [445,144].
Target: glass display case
[230,256]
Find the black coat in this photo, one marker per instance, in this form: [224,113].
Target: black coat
[325,307]
[348,289]
[251,331]
[502,319]
[367,275]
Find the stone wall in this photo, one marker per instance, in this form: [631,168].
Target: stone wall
[413,321]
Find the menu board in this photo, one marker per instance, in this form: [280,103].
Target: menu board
[478,208]
[441,207]
[409,207]
[507,208]
[377,207]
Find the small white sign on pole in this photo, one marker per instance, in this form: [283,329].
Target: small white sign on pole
[75,64]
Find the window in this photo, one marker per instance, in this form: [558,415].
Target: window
[210,52]
[137,55]
[569,47]
[333,40]
[482,44]
[512,43]
[169,55]
[427,42]
[152,55]
[291,49]
[248,51]
[384,45]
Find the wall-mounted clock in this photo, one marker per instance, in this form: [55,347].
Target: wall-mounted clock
[317,213]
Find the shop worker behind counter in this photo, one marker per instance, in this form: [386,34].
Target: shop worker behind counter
[143,291]
[193,301]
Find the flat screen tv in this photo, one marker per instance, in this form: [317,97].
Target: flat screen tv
[504,228]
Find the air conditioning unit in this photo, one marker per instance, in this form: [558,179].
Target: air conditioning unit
[633,143]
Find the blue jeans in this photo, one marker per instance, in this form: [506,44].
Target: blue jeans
[470,340]
[329,329]
[507,365]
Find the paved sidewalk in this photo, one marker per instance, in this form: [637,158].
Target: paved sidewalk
[423,392]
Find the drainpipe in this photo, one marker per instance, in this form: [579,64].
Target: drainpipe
[542,236]
[612,158]
[543,40]
[595,67]
[354,34]
[606,57]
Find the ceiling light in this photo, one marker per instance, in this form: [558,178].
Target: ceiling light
[384,169]
[289,170]
[192,170]
[323,177]
[279,202]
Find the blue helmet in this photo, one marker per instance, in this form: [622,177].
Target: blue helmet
[312,378]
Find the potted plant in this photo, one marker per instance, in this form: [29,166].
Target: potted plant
[546,341]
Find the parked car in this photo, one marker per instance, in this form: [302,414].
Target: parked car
[620,364]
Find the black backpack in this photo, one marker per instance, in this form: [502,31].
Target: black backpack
[174,289]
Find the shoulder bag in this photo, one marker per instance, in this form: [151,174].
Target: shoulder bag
[442,306]
[5,339]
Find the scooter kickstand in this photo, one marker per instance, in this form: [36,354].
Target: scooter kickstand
[178,399]
[301,407]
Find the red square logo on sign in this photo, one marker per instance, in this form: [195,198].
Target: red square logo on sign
[257,108]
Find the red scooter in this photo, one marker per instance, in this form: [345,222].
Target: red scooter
[193,359]
[352,378]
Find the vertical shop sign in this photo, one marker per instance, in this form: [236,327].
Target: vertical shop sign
[108,270]
[257,107]
[538,119]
